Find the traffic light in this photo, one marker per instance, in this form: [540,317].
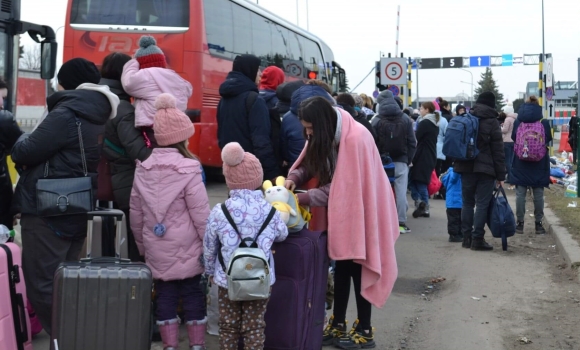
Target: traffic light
[378,77]
[312,75]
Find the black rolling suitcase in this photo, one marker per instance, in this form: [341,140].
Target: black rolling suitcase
[102,303]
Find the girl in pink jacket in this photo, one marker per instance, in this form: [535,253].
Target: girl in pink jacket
[169,209]
[147,76]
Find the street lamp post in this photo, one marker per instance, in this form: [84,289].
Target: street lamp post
[471,82]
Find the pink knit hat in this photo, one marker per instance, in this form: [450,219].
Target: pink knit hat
[171,125]
[242,170]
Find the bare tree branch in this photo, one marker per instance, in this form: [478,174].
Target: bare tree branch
[30,58]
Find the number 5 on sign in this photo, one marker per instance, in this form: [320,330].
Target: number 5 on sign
[393,71]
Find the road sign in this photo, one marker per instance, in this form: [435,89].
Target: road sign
[549,93]
[518,60]
[452,62]
[430,63]
[395,90]
[416,63]
[507,60]
[393,71]
[375,94]
[479,61]
[549,71]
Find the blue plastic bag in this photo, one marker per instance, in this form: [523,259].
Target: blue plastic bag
[557,172]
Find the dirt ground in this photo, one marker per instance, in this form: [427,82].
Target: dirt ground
[569,217]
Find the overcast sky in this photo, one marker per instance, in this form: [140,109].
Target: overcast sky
[359,31]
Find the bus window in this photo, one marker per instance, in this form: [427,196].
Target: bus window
[262,39]
[3,46]
[218,27]
[313,58]
[279,48]
[294,47]
[242,30]
[161,13]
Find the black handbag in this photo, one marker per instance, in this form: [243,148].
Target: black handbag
[68,196]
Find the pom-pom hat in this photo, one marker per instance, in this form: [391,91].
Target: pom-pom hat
[242,170]
[149,55]
[171,125]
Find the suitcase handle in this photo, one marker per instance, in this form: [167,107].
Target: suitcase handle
[105,212]
[105,260]
[23,337]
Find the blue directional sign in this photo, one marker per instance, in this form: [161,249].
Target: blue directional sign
[479,61]
[507,60]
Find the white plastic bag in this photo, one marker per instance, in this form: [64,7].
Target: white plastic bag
[213,311]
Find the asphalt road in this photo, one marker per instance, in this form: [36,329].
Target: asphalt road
[487,300]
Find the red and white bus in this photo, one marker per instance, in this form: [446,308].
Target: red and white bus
[200,39]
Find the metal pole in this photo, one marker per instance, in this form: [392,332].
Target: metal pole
[417,75]
[543,42]
[471,98]
[297,14]
[308,19]
[398,22]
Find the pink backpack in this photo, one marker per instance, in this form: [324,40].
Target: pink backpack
[530,143]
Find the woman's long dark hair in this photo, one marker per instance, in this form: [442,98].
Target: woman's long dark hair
[322,152]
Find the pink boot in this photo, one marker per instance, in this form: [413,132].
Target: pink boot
[169,331]
[196,331]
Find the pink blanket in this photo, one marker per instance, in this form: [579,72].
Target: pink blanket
[362,214]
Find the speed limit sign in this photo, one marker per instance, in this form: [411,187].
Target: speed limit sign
[393,71]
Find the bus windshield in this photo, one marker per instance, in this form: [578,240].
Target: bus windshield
[3,46]
[157,13]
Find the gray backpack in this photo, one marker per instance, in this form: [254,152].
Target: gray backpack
[248,271]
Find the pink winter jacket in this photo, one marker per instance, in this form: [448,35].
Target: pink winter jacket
[146,84]
[168,191]
[508,127]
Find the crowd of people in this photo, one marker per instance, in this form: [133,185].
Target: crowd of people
[131,113]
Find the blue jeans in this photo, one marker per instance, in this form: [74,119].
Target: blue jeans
[419,191]
[191,294]
[508,148]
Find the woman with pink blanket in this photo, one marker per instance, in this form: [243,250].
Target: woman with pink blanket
[362,215]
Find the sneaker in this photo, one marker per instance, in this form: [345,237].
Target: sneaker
[403,228]
[420,211]
[455,238]
[520,227]
[540,230]
[356,339]
[331,333]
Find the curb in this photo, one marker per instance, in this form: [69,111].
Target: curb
[569,247]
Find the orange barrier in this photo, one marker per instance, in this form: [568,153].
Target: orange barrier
[564,145]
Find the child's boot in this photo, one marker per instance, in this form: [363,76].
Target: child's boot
[333,332]
[169,331]
[196,332]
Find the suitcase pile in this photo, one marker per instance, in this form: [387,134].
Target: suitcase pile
[102,303]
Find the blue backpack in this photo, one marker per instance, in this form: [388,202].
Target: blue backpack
[461,137]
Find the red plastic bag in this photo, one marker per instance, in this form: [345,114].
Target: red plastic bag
[35,326]
[434,185]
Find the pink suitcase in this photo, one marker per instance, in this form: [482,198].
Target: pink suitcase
[14,321]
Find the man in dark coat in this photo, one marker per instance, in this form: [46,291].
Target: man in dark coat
[392,124]
[243,117]
[124,144]
[479,175]
[55,146]
[9,133]
[292,133]
[531,174]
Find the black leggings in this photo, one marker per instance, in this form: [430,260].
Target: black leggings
[346,269]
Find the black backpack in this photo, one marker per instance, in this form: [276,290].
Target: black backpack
[275,125]
[392,135]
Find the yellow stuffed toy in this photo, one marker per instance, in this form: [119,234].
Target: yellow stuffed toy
[278,197]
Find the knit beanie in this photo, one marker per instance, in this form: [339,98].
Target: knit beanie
[358,101]
[487,98]
[77,71]
[436,104]
[171,125]
[242,170]
[149,54]
[508,109]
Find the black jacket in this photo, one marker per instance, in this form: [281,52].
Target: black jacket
[531,174]
[426,155]
[491,157]
[9,133]
[251,131]
[390,110]
[56,140]
[123,145]
[446,114]
[362,119]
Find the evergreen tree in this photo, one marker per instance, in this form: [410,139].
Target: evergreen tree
[487,83]
[346,88]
